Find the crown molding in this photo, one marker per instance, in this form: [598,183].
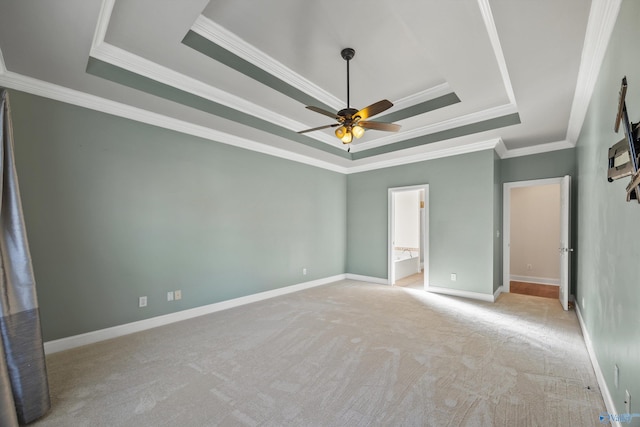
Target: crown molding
[70,96]
[489,113]
[217,34]
[120,58]
[3,67]
[536,149]
[501,149]
[436,153]
[106,9]
[234,44]
[487,16]
[420,97]
[81,99]
[602,20]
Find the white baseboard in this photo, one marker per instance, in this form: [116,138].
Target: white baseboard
[141,325]
[532,279]
[606,395]
[367,279]
[459,293]
[497,293]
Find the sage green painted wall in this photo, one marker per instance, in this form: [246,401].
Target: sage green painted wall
[608,254]
[497,222]
[117,209]
[461,219]
[553,164]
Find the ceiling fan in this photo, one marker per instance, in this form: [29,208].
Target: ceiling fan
[352,123]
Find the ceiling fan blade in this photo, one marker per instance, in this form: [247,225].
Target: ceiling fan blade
[320,127]
[325,112]
[388,127]
[374,109]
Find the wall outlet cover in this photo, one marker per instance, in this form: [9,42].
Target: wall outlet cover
[627,401]
[177,294]
[454,277]
[170,296]
[142,302]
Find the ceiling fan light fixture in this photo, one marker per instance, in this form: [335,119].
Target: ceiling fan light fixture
[358,131]
[348,136]
[353,123]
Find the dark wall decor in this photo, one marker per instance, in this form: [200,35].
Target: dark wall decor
[623,156]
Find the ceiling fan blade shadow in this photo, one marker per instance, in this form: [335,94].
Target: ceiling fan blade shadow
[388,127]
[325,112]
[320,128]
[374,109]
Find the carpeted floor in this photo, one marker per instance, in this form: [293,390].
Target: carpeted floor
[345,354]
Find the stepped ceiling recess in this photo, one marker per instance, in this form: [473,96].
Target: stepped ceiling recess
[463,75]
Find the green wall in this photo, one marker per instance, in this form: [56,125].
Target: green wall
[553,164]
[461,219]
[117,209]
[608,273]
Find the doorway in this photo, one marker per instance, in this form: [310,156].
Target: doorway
[536,236]
[408,233]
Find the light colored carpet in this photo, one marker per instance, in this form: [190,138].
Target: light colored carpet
[345,354]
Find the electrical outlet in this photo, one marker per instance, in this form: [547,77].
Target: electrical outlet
[142,302]
[170,296]
[454,277]
[529,267]
[616,375]
[177,294]
[627,401]
[304,271]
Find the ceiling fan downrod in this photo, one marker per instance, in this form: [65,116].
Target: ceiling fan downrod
[348,54]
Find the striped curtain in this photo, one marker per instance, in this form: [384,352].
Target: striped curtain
[24,390]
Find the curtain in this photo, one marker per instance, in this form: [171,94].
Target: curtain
[24,390]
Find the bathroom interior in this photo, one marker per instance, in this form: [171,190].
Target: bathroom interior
[408,235]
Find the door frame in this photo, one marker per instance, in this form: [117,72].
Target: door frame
[390,233]
[506,225]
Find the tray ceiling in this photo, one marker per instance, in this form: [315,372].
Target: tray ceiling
[463,75]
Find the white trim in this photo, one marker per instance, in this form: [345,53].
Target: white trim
[602,19]
[489,23]
[453,123]
[70,96]
[103,23]
[460,293]
[3,67]
[501,149]
[390,236]
[418,98]
[370,279]
[539,280]
[141,66]
[537,149]
[239,47]
[506,221]
[430,155]
[602,383]
[142,325]
[497,293]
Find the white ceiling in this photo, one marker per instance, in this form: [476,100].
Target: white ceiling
[240,72]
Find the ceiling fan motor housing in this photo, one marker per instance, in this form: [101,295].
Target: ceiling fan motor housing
[348,53]
[347,113]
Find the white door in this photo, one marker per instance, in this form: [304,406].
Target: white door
[565,240]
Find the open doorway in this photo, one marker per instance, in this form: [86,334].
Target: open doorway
[408,238]
[536,238]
